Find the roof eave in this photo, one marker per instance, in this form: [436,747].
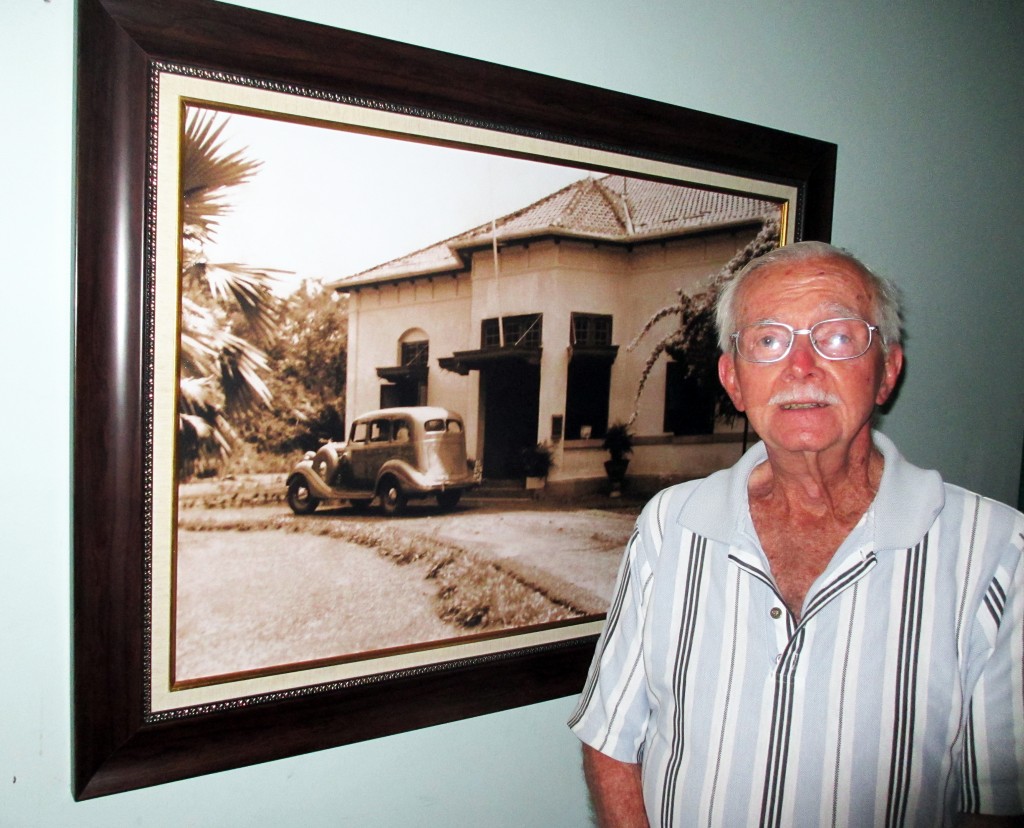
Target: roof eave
[466,248]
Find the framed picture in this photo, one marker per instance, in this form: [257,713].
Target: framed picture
[482,256]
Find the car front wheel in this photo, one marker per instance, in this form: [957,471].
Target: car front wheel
[300,498]
[392,498]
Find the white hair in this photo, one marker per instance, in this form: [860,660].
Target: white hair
[887,311]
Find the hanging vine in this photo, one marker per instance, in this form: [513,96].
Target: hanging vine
[694,340]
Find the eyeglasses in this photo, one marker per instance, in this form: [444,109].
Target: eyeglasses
[833,339]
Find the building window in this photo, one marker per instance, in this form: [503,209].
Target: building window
[589,381]
[590,329]
[415,354]
[520,331]
[689,407]
[588,387]
[406,383]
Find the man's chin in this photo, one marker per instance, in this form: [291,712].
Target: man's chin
[802,435]
[798,434]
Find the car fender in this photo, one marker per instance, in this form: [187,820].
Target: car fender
[314,481]
[416,482]
[411,480]
[326,459]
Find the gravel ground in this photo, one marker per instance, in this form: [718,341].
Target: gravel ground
[249,599]
[572,554]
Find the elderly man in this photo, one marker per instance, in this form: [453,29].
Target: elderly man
[823,634]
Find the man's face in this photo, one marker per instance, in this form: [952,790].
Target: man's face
[782,399]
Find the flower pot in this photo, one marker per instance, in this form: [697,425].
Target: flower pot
[616,469]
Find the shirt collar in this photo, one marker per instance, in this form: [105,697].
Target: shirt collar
[907,503]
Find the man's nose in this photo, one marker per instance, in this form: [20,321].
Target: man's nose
[802,357]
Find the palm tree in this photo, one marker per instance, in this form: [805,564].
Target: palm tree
[229,311]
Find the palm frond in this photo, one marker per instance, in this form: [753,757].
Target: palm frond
[204,434]
[241,364]
[230,312]
[251,290]
[206,172]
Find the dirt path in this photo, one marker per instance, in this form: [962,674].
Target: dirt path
[243,602]
[259,587]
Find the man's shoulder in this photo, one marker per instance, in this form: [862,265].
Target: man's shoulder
[669,501]
[978,507]
[703,505]
[913,500]
[678,494]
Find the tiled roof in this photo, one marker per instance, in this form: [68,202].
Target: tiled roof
[612,208]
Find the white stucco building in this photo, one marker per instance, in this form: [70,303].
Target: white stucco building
[522,325]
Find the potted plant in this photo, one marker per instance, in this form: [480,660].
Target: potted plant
[618,442]
[537,462]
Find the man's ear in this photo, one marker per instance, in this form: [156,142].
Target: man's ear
[727,376]
[890,373]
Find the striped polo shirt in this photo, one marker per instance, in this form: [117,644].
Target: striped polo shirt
[898,699]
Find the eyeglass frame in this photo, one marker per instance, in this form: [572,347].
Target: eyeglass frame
[793,332]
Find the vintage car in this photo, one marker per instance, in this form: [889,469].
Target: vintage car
[393,455]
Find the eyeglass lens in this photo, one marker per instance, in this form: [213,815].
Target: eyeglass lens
[832,338]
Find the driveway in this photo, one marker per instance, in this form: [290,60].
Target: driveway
[259,587]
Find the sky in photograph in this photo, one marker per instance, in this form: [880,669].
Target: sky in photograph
[329,203]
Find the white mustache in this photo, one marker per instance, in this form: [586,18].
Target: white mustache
[809,394]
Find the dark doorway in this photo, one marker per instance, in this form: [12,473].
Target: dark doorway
[400,394]
[403,385]
[511,403]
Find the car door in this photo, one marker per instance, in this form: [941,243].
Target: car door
[404,443]
[369,455]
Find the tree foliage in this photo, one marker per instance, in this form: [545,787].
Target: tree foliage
[694,340]
[306,376]
[229,311]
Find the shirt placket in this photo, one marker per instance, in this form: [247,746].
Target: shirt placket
[768,605]
[783,628]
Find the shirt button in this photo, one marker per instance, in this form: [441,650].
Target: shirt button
[775,613]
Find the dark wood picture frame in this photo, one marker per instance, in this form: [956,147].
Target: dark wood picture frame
[118,745]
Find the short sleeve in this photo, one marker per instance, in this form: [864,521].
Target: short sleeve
[613,711]
[993,764]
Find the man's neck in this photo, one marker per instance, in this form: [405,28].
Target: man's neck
[820,482]
[803,512]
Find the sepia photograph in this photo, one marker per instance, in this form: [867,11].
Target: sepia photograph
[423,390]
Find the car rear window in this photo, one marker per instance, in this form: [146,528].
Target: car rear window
[439,425]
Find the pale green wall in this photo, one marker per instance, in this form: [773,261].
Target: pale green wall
[924,100]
